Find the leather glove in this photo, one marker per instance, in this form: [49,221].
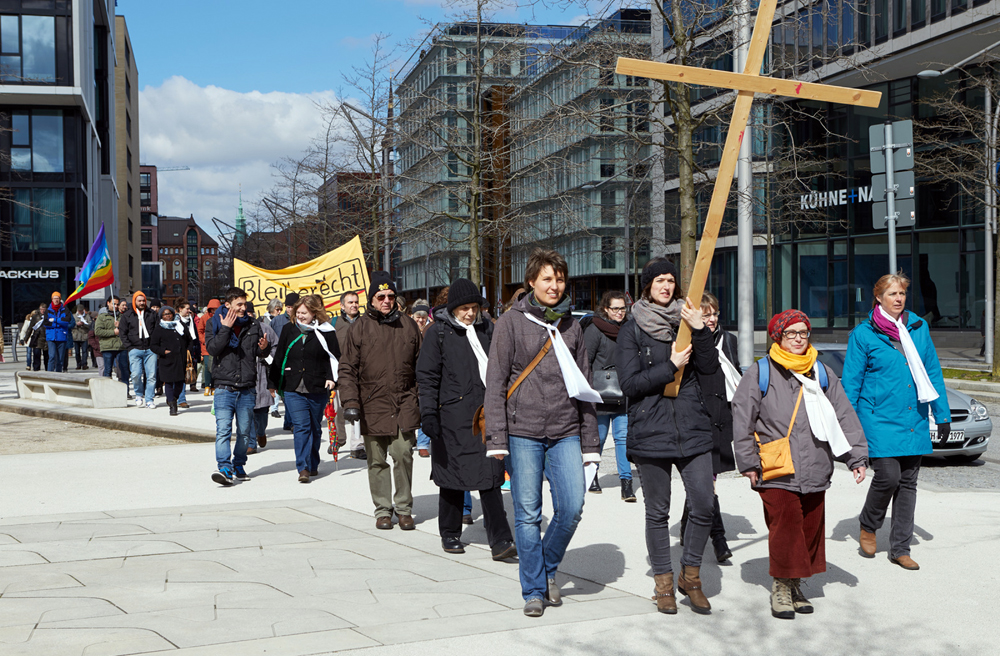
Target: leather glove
[431,426]
[943,431]
[352,414]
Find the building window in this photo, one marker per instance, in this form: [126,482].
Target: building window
[28,49]
[177,274]
[129,194]
[145,198]
[608,208]
[146,237]
[607,115]
[130,266]
[147,255]
[128,54]
[128,124]
[37,141]
[607,252]
[452,165]
[128,90]
[128,159]
[39,221]
[144,180]
[130,229]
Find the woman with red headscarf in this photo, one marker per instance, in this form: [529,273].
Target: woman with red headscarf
[791,419]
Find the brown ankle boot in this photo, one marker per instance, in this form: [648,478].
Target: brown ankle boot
[663,593]
[689,584]
[867,541]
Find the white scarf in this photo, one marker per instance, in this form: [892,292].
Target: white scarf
[733,375]
[477,348]
[82,318]
[822,417]
[323,328]
[181,326]
[925,389]
[143,331]
[577,386]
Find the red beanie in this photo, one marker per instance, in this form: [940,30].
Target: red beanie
[785,319]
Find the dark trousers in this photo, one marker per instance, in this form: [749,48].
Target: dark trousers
[259,425]
[796,532]
[80,353]
[718,530]
[451,506]
[38,354]
[696,473]
[895,482]
[173,391]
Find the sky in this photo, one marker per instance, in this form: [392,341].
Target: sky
[229,87]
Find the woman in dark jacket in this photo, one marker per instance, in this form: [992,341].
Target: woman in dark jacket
[451,377]
[601,336]
[718,390]
[303,370]
[665,432]
[170,346]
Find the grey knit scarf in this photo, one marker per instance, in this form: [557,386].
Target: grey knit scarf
[657,321]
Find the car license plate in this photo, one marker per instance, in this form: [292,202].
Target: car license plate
[954,436]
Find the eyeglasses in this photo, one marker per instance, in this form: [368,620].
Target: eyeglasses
[385,297]
[709,315]
[616,309]
[792,334]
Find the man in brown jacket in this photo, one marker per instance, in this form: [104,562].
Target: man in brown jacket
[378,387]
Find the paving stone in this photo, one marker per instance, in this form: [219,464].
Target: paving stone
[89,642]
[31,533]
[20,556]
[16,610]
[7,539]
[27,579]
[73,550]
[294,645]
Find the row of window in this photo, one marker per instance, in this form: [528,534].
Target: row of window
[206,250]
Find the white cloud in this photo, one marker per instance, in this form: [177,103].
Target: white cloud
[226,137]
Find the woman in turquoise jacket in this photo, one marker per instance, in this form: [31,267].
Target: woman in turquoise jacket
[892,378]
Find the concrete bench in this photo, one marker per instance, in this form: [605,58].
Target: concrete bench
[71,389]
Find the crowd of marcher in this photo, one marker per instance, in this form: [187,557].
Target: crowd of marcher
[531,396]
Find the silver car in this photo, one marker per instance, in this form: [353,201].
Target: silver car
[970,420]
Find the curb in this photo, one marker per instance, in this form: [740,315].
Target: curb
[101,422]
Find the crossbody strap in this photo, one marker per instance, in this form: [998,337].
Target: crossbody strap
[795,413]
[281,377]
[532,365]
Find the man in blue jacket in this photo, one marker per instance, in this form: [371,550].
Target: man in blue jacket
[58,324]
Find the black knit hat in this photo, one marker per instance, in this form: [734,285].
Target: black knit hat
[380,283]
[291,299]
[462,292]
[658,267]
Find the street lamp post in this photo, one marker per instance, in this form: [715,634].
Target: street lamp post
[989,193]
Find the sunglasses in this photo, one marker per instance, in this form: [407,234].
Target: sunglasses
[385,297]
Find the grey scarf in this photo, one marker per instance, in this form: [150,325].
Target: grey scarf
[657,321]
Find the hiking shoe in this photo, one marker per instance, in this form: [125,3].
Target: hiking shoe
[628,494]
[275,414]
[241,474]
[183,405]
[223,476]
[503,550]
[140,402]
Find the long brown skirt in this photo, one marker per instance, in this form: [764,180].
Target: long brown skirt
[796,526]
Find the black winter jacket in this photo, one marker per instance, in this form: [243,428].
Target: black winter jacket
[170,367]
[306,360]
[451,390]
[128,329]
[235,367]
[713,388]
[660,426]
[601,351]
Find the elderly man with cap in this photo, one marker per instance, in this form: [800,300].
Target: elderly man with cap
[135,328]
[58,322]
[378,387]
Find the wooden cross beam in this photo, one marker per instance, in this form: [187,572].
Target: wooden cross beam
[746,84]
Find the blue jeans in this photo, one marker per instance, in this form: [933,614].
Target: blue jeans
[230,402]
[109,358]
[57,356]
[423,442]
[306,413]
[619,430]
[467,505]
[561,461]
[139,362]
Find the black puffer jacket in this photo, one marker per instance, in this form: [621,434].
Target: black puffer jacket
[660,426]
[235,367]
[451,390]
[713,388]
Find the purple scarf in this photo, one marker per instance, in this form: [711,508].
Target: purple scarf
[884,323]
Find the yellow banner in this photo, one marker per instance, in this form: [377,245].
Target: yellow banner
[341,270]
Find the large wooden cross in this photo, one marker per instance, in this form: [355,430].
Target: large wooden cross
[747,84]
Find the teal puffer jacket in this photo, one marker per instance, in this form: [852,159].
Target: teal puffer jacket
[881,389]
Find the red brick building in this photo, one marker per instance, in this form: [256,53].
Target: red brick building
[190,260]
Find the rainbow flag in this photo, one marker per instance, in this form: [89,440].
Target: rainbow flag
[96,272]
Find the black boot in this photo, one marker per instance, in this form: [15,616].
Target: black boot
[627,493]
[173,408]
[595,487]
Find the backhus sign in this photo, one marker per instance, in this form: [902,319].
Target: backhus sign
[29,274]
[835,197]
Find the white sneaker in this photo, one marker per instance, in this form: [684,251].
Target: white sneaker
[151,405]
[140,402]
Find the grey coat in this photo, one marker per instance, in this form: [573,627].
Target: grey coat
[264,398]
[540,407]
[770,417]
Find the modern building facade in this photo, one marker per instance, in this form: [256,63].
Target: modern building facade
[190,260]
[579,171]
[827,253]
[57,145]
[127,266]
[437,188]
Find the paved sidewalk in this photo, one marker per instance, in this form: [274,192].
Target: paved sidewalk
[135,550]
